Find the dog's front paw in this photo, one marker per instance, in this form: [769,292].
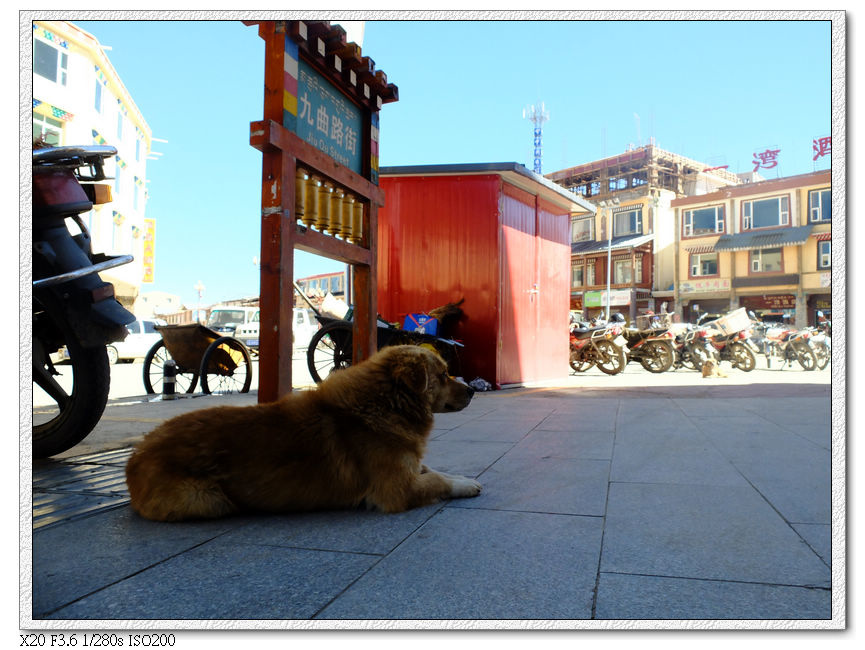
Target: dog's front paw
[462,487]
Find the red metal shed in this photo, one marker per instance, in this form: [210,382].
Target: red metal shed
[497,235]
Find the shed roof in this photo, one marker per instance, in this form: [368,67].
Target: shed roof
[515,173]
[618,243]
[764,238]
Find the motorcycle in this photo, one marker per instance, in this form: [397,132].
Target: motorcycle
[734,347]
[653,348]
[787,346]
[75,313]
[693,348]
[593,346]
[821,345]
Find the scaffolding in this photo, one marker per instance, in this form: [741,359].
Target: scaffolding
[647,167]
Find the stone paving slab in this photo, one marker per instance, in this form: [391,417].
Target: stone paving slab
[591,444]
[708,532]
[633,597]
[481,564]
[86,555]
[550,485]
[224,580]
[670,456]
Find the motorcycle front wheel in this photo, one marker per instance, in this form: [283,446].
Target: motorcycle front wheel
[805,356]
[658,356]
[76,394]
[698,357]
[823,354]
[579,362]
[611,358]
[742,357]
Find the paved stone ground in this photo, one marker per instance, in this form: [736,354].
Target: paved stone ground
[651,498]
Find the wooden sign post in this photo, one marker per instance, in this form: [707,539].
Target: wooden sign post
[320,193]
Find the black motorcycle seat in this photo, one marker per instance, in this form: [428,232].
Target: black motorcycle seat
[585,332]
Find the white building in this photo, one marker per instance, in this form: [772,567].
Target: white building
[78,99]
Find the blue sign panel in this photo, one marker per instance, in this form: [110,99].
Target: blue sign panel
[328,120]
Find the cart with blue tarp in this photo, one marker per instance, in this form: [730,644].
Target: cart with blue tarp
[330,348]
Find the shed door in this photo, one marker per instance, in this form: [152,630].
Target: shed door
[519,297]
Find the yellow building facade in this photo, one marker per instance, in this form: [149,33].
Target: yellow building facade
[765,246]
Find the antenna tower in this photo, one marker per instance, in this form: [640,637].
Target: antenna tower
[537,115]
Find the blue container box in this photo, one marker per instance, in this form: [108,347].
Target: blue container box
[421,323]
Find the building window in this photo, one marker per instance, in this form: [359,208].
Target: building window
[703,264]
[49,62]
[628,222]
[47,128]
[766,213]
[820,205]
[137,150]
[622,272]
[824,255]
[704,221]
[766,260]
[119,126]
[577,274]
[582,229]
[590,274]
[97,101]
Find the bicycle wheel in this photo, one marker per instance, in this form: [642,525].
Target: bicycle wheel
[611,359]
[330,349]
[226,367]
[154,361]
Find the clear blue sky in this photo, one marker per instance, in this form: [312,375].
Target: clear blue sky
[713,91]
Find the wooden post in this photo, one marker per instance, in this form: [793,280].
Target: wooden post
[319,47]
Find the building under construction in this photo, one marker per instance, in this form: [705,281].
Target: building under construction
[623,256]
[646,168]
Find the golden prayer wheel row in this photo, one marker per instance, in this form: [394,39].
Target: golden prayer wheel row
[327,208]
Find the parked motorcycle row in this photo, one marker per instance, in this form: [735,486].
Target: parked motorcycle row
[659,344]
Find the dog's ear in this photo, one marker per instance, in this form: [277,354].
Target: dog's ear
[410,368]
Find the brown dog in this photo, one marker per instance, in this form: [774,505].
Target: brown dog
[358,437]
[712,368]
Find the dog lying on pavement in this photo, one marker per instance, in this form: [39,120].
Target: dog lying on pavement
[358,438]
[712,368]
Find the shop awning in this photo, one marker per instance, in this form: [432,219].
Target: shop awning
[764,239]
[618,243]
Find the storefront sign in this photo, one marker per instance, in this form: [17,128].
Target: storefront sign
[149,254]
[780,301]
[618,297]
[701,286]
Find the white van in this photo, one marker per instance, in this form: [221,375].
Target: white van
[303,327]
[225,319]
